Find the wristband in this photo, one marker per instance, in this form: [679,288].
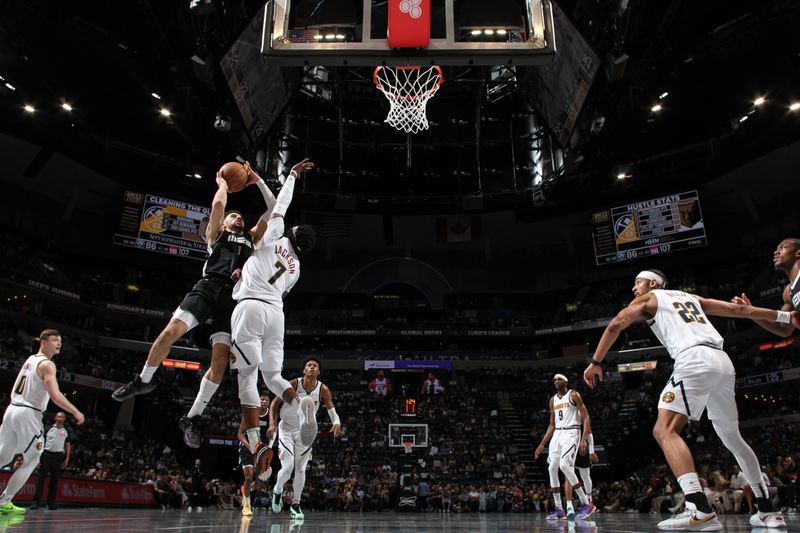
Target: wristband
[596,363]
[334,417]
[784,317]
[590,442]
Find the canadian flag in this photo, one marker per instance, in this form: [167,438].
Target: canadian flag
[458,229]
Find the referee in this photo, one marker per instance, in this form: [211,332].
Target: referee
[54,458]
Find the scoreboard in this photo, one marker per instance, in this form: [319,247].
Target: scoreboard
[644,229]
[158,224]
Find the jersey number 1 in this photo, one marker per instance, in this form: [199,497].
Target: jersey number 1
[280,269]
[689,312]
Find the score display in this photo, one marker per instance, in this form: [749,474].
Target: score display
[648,228]
[158,224]
[409,408]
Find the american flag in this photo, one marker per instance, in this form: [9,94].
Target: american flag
[302,36]
[329,226]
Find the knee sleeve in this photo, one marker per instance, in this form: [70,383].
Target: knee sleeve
[248,387]
[552,469]
[732,439]
[275,382]
[568,467]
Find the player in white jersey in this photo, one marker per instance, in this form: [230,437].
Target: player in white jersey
[257,321]
[568,415]
[293,452]
[702,378]
[22,430]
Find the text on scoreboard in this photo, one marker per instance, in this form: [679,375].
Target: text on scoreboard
[158,224]
[648,228]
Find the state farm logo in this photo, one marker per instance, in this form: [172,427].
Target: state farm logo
[412,7]
[135,494]
[78,491]
[409,501]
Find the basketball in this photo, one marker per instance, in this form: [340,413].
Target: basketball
[235,175]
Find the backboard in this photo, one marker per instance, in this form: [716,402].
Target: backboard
[354,33]
[416,433]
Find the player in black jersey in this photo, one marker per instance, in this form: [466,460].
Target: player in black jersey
[787,259]
[229,246]
[246,457]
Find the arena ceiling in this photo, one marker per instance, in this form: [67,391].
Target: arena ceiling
[108,60]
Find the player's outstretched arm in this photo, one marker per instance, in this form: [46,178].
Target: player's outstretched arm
[327,399]
[274,409]
[257,231]
[778,328]
[275,225]
[218,204]
[786,318]
[548,434]
[47,371]
[642,307]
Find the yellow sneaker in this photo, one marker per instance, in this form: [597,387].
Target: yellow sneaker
[10,508]
[247,511]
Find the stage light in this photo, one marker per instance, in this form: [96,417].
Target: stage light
[29,108]
[330,36]
[155,95]
[475,32]
[340,36]
[621,176]
[319,36]
[663,95]
[758,101]
[10,87]
[794,106]
[656,108]
[65,106]
[488,32]
[165,112]
[501,32]
[743,119]
[197,175]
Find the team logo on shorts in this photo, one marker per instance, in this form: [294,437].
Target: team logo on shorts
[668,397]
[39,445]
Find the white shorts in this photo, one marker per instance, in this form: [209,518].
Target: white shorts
[257,336]
[22,430]
[290,448]
[703,378]
[564,445]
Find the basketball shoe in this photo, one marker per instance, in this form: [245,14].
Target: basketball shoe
[773,519]
[692,520]
[133,388]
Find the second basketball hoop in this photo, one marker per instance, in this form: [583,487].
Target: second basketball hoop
[408,90]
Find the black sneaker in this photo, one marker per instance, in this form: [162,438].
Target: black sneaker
[133,388]
[192,434]
[296,512]
[34,506]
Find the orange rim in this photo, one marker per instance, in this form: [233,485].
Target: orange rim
[408,67]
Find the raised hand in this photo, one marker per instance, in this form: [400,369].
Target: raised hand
[302,166]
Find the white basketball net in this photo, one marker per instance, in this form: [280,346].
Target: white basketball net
[408,90]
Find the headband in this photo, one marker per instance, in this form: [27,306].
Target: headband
[647,274]
[560,376]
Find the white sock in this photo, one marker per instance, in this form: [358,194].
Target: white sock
[253,438]
[245,501]
[582,495]
[147,373]
[689,483]
[207,390]
[557,500]
[569,506]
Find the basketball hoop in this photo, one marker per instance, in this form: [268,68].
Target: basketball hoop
[408,445]
[408,90]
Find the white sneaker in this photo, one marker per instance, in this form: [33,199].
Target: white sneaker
[690,520]
[308,421]
[773,519]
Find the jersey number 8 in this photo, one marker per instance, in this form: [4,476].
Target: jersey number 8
[689,312]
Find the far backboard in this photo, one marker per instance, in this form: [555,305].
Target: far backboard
[353,32]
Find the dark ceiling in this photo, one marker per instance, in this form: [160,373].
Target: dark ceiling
[107,58]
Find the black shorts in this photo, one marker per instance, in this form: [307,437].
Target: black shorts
[245,457]
[582,461]
[211,298]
